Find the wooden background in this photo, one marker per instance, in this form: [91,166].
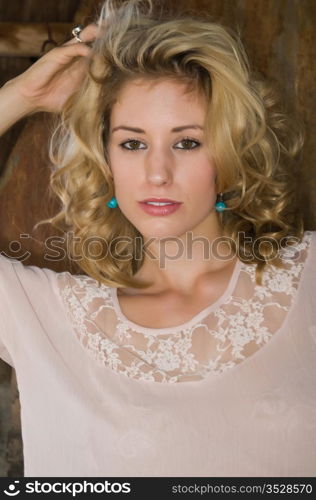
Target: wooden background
[279,36]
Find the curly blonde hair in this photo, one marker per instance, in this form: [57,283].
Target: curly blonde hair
[253,147]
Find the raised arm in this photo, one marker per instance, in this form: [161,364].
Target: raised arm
[48,83]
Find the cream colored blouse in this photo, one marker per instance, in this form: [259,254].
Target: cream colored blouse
[232,392]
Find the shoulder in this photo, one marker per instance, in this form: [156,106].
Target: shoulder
[11,266]
[300,262]
[310,260]
[312,236]
[300,251]
[14,269]
[19,281]
[297,266]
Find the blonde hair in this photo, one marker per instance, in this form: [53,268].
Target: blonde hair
[247,134]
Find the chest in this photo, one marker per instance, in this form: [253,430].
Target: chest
[172,309]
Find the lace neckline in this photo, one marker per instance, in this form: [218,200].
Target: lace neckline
[195,319]
[234,330]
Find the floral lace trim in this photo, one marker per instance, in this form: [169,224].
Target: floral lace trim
[241,325]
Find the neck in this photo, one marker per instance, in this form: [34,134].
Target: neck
[178,263]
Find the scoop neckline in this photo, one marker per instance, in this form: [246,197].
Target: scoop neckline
[197,317]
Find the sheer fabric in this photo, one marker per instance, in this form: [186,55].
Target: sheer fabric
[242,321]
[229,393]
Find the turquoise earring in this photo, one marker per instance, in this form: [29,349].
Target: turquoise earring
[112,203]
[220,205]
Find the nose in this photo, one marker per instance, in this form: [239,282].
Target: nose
[158,168]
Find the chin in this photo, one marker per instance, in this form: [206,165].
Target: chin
[166,226]
[162,230]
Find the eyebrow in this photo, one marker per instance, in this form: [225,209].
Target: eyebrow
[141,131]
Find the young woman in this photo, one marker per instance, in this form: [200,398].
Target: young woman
[187,345]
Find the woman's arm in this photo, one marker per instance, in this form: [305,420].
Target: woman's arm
[48,83]
[12,106]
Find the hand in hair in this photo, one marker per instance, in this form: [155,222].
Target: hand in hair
[48,83]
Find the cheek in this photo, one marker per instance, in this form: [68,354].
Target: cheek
[202,181]
[122,174]
[125,182]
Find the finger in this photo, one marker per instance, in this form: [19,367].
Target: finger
[88,34]
[66,53]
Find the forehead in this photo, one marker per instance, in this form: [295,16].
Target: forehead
[158,95]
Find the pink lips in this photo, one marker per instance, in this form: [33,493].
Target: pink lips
[161,200]
[160,210]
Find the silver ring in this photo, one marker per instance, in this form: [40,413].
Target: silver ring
[76,33]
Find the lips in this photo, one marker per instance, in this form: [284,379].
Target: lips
[167,206]
[160,200]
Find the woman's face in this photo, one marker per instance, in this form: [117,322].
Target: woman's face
[155,161]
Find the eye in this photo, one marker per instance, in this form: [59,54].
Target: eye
[132,142]
[189,143]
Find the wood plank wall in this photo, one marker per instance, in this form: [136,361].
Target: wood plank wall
[279,36]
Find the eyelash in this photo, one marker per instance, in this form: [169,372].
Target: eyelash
[122,145]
